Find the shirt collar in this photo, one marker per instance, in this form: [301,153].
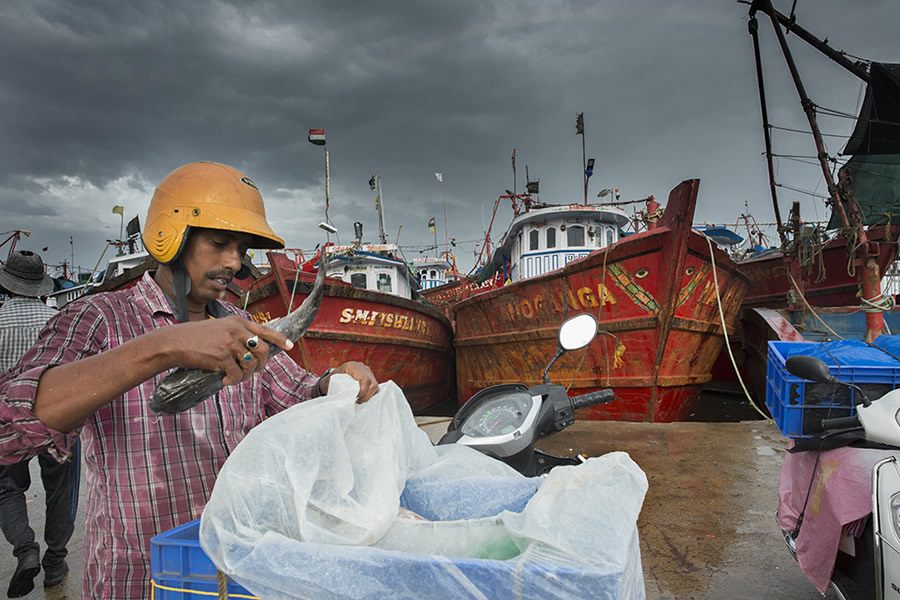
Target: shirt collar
[157,301]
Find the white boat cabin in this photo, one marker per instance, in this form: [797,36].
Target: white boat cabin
[372,267]
[432,272]
[115,267]
[545,239]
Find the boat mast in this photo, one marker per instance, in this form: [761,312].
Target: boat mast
[866,256]
[375,184]
[579,130]
[753,26]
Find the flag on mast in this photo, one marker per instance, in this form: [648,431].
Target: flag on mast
[119,210]
[317,136]
[579,124]
[431,224]
[439,177]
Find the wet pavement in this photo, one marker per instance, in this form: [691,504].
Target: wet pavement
[707,528]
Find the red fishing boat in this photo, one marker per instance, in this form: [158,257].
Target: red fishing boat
[825,283]
[824,276]
[656,294]
[362,319]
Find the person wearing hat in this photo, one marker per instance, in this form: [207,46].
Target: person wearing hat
[96,363]
[21,318]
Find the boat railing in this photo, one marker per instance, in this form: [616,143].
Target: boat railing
[890,281]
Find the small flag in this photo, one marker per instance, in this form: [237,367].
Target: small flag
[133,227]
[119,210]
[431,224]
[372,182]
[579,124]
[439,177]
[533,187]
[317,136]
[514,159]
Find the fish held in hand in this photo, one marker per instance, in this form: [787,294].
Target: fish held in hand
[185,388]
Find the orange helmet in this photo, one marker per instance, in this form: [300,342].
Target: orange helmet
[204,194]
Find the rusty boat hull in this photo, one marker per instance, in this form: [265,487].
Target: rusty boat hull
[400,339]
[825,282]
[654,294]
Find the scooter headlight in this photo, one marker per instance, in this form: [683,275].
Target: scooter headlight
[895,514]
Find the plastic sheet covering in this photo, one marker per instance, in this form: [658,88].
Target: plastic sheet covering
[333,499]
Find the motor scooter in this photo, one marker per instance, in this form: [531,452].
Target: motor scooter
[505,421]
[870,568]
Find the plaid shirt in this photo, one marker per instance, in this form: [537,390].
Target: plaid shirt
[145,473]
[21,319]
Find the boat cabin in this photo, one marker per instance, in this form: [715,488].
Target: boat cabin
[115,267]
[432,272]
[375,267]
[547,238]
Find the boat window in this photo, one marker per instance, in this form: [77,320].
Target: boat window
[551,237]
[358,280]
[533,239]
[575,236]
[384,283]
[610,237]
[433,274]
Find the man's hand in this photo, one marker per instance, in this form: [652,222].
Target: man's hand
[222,345]
[368,385]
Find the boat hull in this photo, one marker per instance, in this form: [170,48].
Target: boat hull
[654,295]
[826,283]
[399,339]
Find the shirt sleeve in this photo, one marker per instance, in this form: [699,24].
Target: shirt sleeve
[76,332]
[286,383]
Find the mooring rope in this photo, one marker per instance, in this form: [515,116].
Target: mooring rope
[712,259]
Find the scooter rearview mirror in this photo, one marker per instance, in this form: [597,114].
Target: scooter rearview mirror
[808,367]
[577,332]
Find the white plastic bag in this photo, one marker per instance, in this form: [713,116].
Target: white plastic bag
[309,506]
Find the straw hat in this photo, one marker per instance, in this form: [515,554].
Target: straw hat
[23,274]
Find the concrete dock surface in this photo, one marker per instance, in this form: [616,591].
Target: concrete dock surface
[707,527]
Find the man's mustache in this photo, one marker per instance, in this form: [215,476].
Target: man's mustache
[220,274]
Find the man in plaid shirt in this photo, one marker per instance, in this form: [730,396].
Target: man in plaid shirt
[97,362]
[21,319]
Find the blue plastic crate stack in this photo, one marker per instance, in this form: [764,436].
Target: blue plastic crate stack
[798,406]
[180,569]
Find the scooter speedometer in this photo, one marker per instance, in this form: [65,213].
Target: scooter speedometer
[498,423]
[501,416]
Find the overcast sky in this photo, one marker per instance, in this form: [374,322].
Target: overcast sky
[100,99]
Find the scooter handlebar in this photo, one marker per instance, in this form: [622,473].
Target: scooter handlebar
[851,422]
[592,399]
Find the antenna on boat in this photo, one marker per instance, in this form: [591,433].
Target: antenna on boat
[514,169]
[440,178]
[579,130]
[317,137]
[375,185]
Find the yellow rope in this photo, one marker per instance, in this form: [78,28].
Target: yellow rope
[810,308]
[154,585]
[712,259]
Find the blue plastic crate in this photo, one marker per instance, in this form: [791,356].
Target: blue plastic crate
[180,568]
[798,406]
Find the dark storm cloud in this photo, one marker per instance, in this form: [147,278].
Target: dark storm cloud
[100,100]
